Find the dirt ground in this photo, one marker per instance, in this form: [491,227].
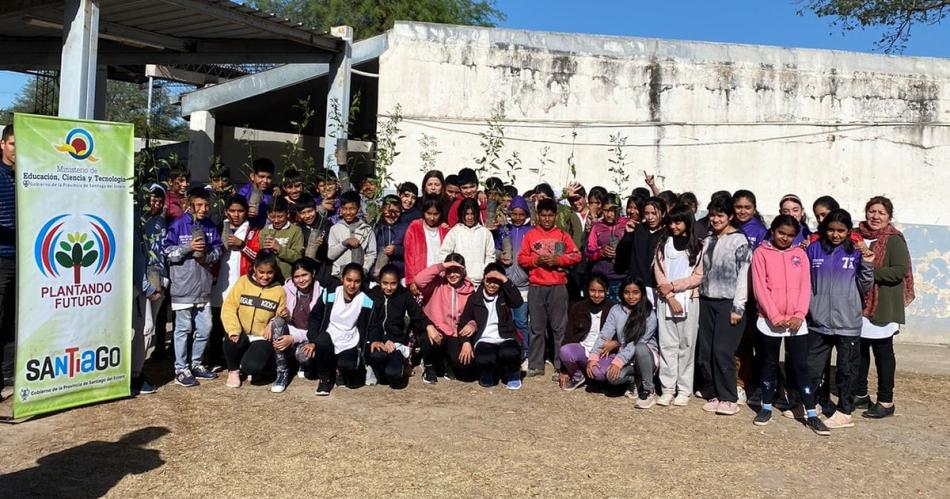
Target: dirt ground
[456,439]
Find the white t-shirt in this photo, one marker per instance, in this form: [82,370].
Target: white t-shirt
[591,338]
[765,328]
[343,317]
[433,243]
[230,269]
[491,333]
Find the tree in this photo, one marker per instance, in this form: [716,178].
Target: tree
[125,102]
[372,17]
[896,17]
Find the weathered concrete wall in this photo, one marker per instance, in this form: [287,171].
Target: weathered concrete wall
[702,116]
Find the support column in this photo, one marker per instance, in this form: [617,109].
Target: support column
[77,77]
[201,133]
[338,100]
[99,101]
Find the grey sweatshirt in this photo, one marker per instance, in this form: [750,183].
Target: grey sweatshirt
[613,329]
[726,263]
[342,255]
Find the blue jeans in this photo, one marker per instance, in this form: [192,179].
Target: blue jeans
[202,330]
[520,316]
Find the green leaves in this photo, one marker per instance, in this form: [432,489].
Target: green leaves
[90,258]
[87,246]
[64,259]
[65,245]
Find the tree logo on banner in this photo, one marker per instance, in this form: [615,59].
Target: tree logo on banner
[79,145]
[94,249]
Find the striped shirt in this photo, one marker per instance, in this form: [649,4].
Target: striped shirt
[7,211]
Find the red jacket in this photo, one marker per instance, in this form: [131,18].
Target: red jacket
[415,249]
[539,242]
[453,216]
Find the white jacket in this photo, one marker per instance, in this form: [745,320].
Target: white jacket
[476,244]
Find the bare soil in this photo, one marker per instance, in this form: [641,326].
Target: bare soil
[457,439]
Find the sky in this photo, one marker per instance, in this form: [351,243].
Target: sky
[765,22]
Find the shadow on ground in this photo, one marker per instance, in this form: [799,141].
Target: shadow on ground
[87,470]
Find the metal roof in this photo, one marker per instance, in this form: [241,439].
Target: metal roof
[171,32]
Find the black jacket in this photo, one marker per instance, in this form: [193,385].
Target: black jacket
[394,310]
[635,254]
[476,310]
[368,323]
[578,320]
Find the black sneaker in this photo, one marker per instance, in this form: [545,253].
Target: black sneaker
[878,411]
[429,376]
[574,383]
[201,372]
[185,378]
[323,387]
[762,418]
[818,426]
[862,401]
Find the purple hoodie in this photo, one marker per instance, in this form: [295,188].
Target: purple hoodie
[755,232]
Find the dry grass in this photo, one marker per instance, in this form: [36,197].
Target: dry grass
[455,439]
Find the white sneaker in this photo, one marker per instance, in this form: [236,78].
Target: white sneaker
[370,377]
[524,365]
[681,400]
[665,399]
[742,397]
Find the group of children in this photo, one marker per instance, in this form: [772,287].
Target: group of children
[487,285]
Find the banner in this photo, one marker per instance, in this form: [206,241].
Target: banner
[74,262]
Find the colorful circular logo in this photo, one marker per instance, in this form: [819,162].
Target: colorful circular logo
[55,249]
[80,143]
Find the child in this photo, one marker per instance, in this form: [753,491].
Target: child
[605,235]
[586,320]
[408,200]
[722,300]
[281,238]
[630,330]
[636,250]
[792,205]
[314,227]
[292,189]
[679,271]
[547,252]
[751,224]
[302,290]
[470,239]
[351,240]
[487,323]
[257,192]
[178,179]
[339,325]
[254,341]
[467,189]
[152,277]
[508,241]
[423,240]
[192,246]
[390,346]
[390,234]
[782,286]
[748,218]
[445,291]
[841,274]
[240,247]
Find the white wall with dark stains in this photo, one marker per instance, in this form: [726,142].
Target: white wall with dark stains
[702,116]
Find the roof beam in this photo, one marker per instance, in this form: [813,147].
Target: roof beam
[263,24]
[245,87]
[120,33]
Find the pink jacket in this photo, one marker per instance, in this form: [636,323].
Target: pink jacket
[290,293]
[441,302]
[781,281]
[679,285]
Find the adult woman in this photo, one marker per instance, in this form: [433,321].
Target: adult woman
[884,304]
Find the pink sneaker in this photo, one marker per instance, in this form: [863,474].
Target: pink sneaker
[712,405]
[728,408]
[234,379]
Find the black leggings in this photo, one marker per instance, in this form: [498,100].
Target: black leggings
[389,367]
[254,357]
[884,362]
[434,355]
[796,355]
[846,373]
[326,361]
[716,347]
[504,356]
